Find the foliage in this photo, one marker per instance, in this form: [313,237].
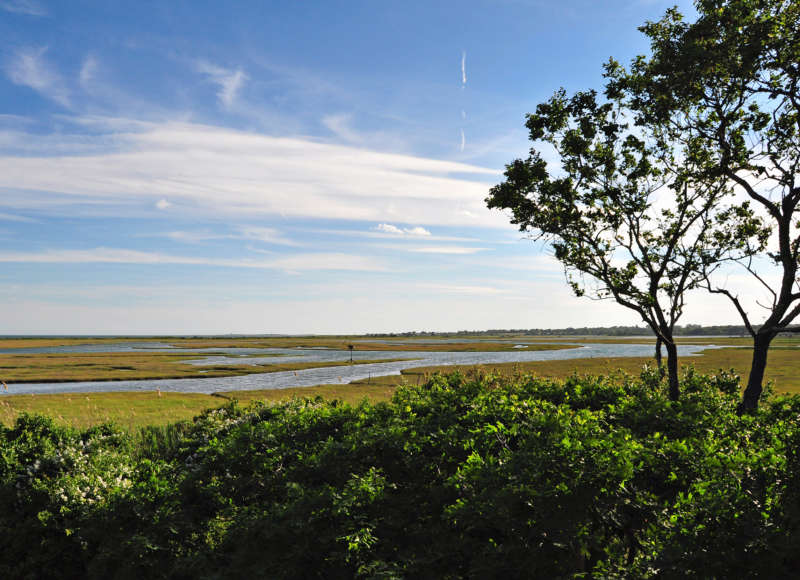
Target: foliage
[725,88]
[619,210]
[464,476]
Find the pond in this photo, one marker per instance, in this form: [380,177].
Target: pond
[313,376]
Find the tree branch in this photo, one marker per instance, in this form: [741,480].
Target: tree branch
[737,304]
[787,320]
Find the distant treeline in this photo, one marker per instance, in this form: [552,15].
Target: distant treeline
[687,330]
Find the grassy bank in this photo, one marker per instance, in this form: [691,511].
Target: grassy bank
[783,368]
[133,410]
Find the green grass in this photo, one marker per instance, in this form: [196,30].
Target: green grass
[129,410]
[134,410]
[783,367]
[45,342]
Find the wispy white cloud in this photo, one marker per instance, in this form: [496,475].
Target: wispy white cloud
[507,145]
[193,237]
[297,82]
[230,87]
[29,7]
[88,71]
[254,233]
[229,81]
[395,231]
[327,261]
[463,68]
[463,140]
[340,125]
[266,235]
[14,119]
[456,250]
[456,289]
[15,218]
[389,229]
[223,171]
[375,233]
[417,231]
[296,262]
[28,67]
[543,264]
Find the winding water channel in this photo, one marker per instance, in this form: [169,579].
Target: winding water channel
[312,376]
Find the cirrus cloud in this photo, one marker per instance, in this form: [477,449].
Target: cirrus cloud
[29,7]
[228,81]
[307,261]
[28,68]
[222,171]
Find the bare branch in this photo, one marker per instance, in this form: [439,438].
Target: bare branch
[749,268]
[736,303]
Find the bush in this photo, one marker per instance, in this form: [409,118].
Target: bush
[478,476]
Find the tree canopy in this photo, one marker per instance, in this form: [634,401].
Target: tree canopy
[690,161]
[619,210]
[725,88]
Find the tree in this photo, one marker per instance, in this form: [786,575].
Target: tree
[621,217]
[726,88]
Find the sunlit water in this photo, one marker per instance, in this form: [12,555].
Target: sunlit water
[314,376]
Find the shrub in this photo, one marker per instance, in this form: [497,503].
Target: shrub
[464,476]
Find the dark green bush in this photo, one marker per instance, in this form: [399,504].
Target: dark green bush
[462,477]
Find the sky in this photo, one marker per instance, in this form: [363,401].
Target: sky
[197,167]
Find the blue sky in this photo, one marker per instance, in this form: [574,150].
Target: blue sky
[290,167]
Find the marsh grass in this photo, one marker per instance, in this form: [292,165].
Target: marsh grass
[122,366]
[342,344]
[336,343]
[783,368]
[126,409]
[134,410]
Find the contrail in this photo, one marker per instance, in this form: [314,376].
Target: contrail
[463,140]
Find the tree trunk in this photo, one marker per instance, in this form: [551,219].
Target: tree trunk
[659,362]
[672,369]
[755,381]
